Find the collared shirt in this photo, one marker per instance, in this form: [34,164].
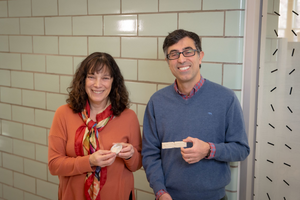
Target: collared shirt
[195,89]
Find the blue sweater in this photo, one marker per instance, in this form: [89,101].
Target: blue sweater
[214,115]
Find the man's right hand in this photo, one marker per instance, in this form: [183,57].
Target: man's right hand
[165,196]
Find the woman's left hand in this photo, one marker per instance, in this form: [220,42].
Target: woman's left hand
[127,151]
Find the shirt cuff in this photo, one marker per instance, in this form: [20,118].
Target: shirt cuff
[160,193]
[212,150]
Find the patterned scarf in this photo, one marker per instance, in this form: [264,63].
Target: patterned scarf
[87,142]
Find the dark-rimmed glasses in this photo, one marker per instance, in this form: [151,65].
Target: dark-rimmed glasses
[186,53]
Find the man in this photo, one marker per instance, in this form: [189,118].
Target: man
[201,113]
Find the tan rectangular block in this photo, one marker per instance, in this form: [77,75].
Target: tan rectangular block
[41,82]
[87,25]
[12,162]
[6,176]
[139,6]
[28,196]
[59,64]
[35,169]
[46,189]
[65,82]
[5,77]
[12,193]
[12,129]
[120,25]
[109,45]
[24,182]
[22,79]
[6,144]
[10,60]
[35,63]
[58,26]
[140,181]
[23,114]
[32,26]
[41,153]
[4,43]
[128,68]
[53,179]
[140,113]
[3,13]
[140,92]
[133,47]
[19,8]
[44,7]
[72,7]
[103,7]
[178,5]
[73,46]
[24,149]
[55,100]
[34,98]
[35,134]
[44,118]
[45,44]
[5,111]
[11,95]
[9,26]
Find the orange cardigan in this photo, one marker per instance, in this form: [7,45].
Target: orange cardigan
[71,169]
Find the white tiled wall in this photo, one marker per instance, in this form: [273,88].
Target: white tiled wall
[42,42]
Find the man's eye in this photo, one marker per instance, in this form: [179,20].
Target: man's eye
[173,54]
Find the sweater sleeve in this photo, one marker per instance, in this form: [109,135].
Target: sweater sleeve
[135,162]
[151,151]
[235,147]
[59,162]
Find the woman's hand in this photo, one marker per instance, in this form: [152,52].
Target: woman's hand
[127,151]
[102,158]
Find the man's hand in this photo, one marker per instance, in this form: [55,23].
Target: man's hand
[165,196]
[196,153]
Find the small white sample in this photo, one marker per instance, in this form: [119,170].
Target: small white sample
[170,145]
[116,148]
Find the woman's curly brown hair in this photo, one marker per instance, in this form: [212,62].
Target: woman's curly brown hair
[95,62]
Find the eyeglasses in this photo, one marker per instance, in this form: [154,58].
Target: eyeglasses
[186,53]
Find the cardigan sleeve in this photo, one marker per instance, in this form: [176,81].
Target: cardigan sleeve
[59,162]
[135,162]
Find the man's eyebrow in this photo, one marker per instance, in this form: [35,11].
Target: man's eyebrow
[183,49]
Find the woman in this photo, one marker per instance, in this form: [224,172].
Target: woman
[83,131]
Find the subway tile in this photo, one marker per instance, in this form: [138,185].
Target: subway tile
[154,71]
[24,149]
[140,181]
[234,23]
[12,162]
[5,111]
[55,100]
[44,118]
[53,179]
[157,24]
[10,61]
[32,26]
[19,8]
[6,144]
[213,28]
[139,6]
[229,49]
[134,47]
[35,134]
[0,162]
[128,68]
[212,72]
[34,99]
[28,196]
[21,44]
[45,44]
[44,7]
[87,25]
[120,25]
[109,45]
[103,6]
[4,43]
[161,54]
[144,195]
[35,169]
[9,26]
[233,75]
[11,95]
[140,113]
[58,26]
[65,82]
[223,5]
[140,92]
[59,64]
[41,82]
[5,77]
[77,61]
[72,7]
[24,182]
[12,129]
[73,46]
[46,189]
[11,193]
[41,153]
[23,114]
[33,62]
[178,5]
[232,186]
[3,10]
[22,79]
[6,176]
[1,193]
